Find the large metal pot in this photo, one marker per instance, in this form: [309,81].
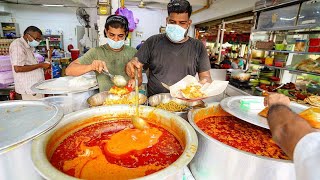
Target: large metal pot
[216,160]
[20,122]
[183,131]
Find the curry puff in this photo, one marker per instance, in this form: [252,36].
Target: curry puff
[312,115]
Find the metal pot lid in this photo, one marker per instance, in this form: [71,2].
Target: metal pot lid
[60,86]
[21,121]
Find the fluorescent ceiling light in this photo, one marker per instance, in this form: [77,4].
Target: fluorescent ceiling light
[288,19]
[53,5]
[232,31]
[201,31]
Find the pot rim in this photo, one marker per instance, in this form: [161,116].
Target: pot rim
[191,121]
[44,167]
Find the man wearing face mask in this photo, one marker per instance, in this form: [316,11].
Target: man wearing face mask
[26,69]
[112,56]
[173,55]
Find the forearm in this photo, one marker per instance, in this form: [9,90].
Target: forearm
[26,68]
[205,77]
[75,69]
[140,80]
[287,128]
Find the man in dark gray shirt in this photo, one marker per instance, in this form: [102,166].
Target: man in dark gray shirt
[174,55]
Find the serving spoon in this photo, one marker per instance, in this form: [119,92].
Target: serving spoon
[138,122]
[118,80]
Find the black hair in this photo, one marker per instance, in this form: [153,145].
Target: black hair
[117,21]
[32,29]
[179,6]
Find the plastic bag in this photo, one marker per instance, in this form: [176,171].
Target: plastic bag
[129,15]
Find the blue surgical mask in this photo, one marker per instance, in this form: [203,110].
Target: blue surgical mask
[115,44]
[175,32]
[33,43]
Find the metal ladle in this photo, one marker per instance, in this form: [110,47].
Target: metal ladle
[118,80]
[136,120]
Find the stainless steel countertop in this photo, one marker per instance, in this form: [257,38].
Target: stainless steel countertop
[246,92]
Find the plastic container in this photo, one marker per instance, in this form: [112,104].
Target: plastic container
[280,47]
[65,102]
[279,63]
[269,61]
[314,45]
[300,45]
[290,47]
[75,54]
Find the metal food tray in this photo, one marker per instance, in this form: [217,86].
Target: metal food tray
[44,91]
[21,121]
[99,98]
[232,106]
[166,97]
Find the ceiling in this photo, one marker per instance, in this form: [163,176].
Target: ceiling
[151,4]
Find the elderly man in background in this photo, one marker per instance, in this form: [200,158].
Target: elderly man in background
[295,137]
[26,69]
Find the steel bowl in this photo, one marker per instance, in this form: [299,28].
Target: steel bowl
[100,98]
[44,146]
[216,160]
[166,97]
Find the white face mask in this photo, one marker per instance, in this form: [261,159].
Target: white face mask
[175,32]
[115,44]
[33,43]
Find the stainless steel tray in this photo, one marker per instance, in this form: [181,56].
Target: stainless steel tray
[44,91]
[166,97]
[21,121]
[99,98]
[232,105]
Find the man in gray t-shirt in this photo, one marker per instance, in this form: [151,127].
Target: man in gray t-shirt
[174,55]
